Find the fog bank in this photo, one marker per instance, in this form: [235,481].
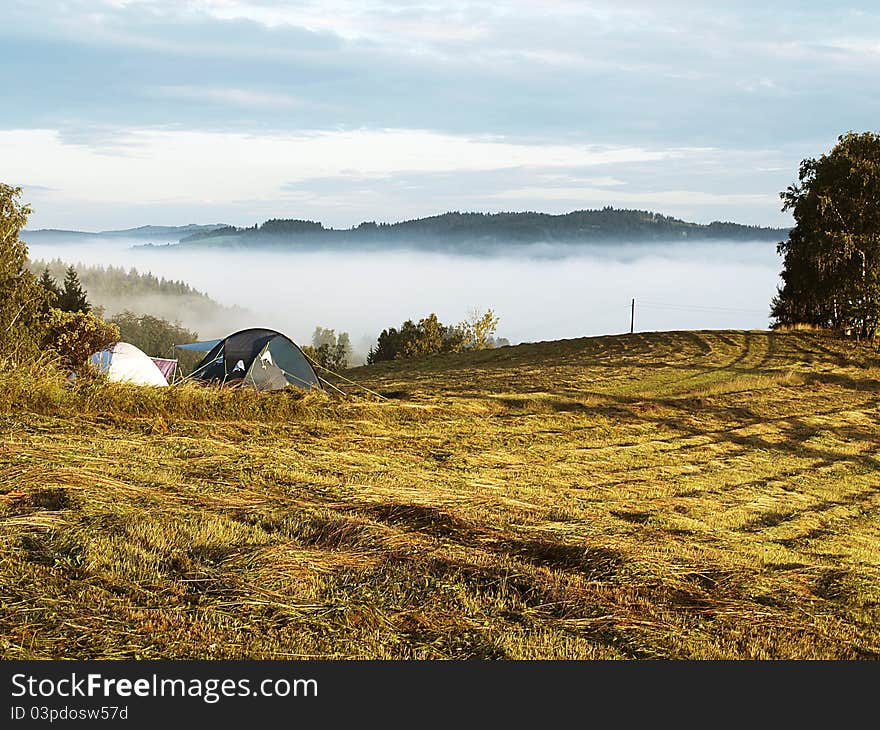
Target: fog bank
[538,295]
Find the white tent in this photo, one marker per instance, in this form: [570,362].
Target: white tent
[125,363]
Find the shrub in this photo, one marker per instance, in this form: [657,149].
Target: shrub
[74,336]
[430,337]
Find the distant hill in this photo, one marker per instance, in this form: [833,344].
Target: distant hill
[163,233]
[453,231]
[478,231]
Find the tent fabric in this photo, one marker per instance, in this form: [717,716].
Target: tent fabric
[125,363]
[166,366]
[260,358]
[203,346]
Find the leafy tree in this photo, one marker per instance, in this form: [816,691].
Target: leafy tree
[478,330]
[411,340]
[329,350]
[75,336]
[22,300]
[831,266]
[157,337]
[153,335]
[73,297]
[425,338]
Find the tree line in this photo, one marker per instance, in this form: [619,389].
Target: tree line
[39,314]
[116,281]
[457,227]
[154,335]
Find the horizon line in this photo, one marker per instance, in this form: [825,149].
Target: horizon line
[408,220]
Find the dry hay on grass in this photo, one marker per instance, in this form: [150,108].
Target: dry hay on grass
[674,495]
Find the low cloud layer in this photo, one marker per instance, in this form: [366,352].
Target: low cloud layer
[543,295]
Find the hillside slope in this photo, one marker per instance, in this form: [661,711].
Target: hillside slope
[680,494]
[115,289]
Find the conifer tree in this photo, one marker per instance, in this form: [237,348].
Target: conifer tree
[47,281]
[73,297]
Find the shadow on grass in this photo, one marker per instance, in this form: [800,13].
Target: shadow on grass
[593,562]
[846,382]
[418,517]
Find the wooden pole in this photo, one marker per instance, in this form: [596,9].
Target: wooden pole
[632,317]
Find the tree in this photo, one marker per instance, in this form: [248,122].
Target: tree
[478,330]
[73,297]
[387,346]
[411,340]
[831,260]
[47,281]
[425,338]
[328,350]
[22,300]
[154,335]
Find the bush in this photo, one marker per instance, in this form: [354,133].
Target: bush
[75,336]
[430,337]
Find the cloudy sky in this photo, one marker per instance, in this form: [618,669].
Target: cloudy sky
[117,113]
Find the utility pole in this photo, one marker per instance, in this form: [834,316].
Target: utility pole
[632,317]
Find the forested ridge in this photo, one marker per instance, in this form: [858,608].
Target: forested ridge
[114,289]
[456,228]
[110,281]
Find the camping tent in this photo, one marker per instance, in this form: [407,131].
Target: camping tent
[261,358]
[167,366]
[123,362]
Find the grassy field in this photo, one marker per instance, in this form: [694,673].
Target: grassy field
[664,495]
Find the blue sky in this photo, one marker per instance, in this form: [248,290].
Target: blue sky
[118,113]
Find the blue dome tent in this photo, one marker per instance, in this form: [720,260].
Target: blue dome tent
[259,358]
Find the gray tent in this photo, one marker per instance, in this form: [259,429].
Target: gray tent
[260,358]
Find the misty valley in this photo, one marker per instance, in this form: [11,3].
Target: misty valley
[540,292]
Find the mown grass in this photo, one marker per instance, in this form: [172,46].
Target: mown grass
[665,495]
